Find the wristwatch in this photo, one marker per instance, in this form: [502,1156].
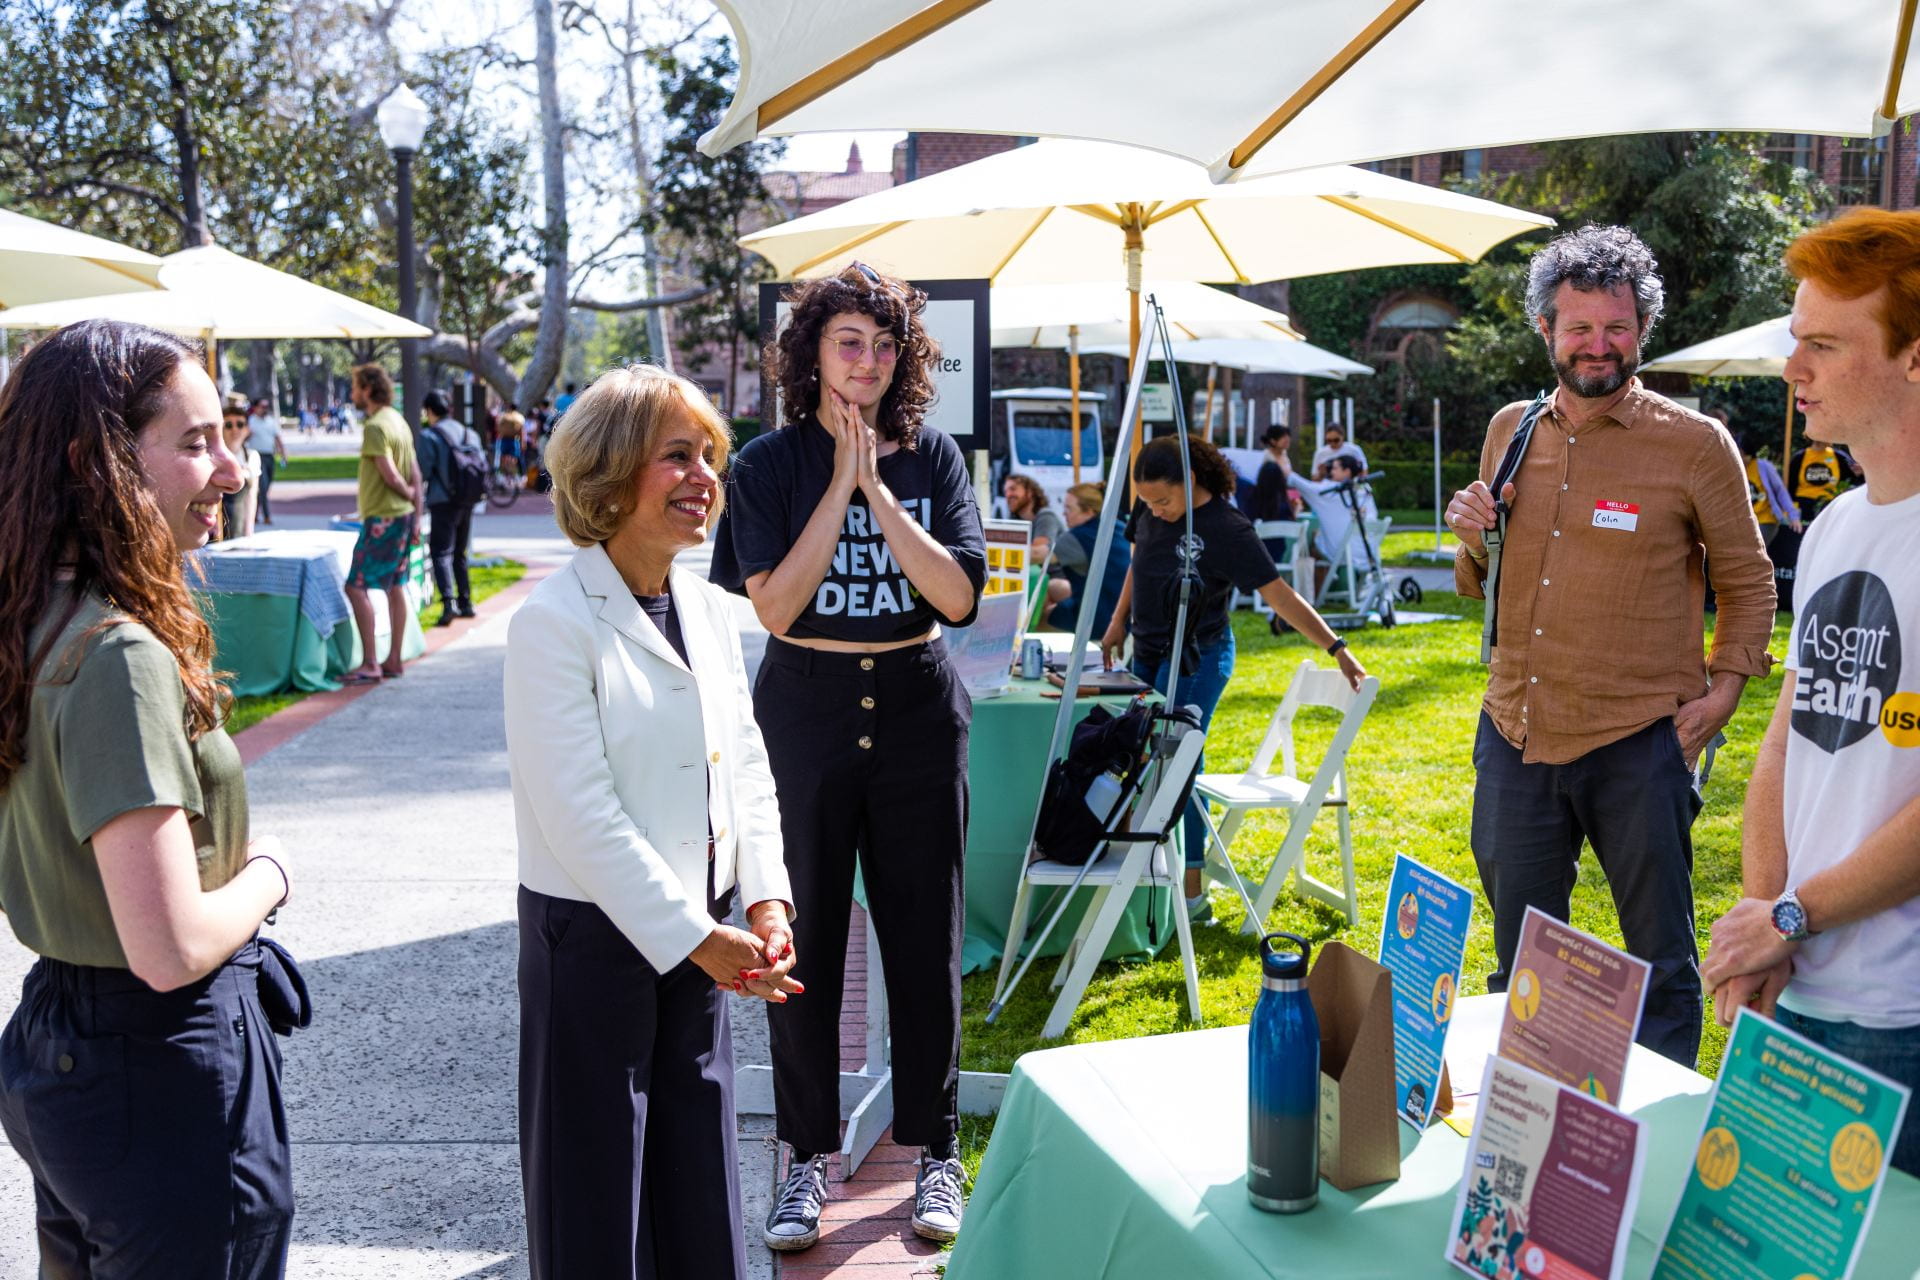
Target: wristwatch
[1339,643]
[1790,918]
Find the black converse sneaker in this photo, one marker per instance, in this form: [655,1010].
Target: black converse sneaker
[795,1221]
[939,1195]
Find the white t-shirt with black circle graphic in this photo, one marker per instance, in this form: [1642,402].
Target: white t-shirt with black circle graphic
[1853,752]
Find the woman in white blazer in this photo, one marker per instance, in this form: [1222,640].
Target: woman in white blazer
[642,797]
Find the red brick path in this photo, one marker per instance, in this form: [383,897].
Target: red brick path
[865,1231]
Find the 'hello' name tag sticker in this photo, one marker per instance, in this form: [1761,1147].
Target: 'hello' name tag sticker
[1616,515]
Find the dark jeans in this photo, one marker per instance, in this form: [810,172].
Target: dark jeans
[1634,802]
[450,525]
[267,461]
[869,754]
[153,1123]
[627,1150]
[1892,1051]
[1202,689]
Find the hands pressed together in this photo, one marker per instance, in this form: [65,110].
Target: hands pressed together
[756,963]
[1748,962]
[856,447]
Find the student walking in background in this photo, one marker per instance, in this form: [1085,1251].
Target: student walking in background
[448,450]
[266,438]
[391,500]
[139,1079]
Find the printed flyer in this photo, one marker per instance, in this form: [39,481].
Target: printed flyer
[1573,1006]
[1551,1180]
[1790,1161]
[1423,944]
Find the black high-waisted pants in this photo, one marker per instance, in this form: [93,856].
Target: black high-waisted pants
[869,753]
[153,1123]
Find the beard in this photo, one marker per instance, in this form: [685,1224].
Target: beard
[1599,383]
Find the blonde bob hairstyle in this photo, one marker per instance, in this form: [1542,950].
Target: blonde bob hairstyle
[609,434]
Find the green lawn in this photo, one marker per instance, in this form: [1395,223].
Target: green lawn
[1411,775]
[486,581]
[324,467]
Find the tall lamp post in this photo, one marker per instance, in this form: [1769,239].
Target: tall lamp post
[403,123]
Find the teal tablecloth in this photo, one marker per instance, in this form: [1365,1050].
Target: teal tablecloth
[1006,766]
[268,639]
[1128,1159]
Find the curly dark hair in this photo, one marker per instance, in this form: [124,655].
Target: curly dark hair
[70,422]
[792,359]
[1159,461]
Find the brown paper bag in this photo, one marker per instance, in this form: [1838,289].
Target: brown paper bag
[1359,1130]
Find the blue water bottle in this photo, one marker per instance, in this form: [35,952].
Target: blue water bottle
[1283,1084]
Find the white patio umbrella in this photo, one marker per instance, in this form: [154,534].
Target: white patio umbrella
[220,297]
[1757,351]
[1255,355]
[43,262]
[1056,211]
[1329,81]
[1043,315]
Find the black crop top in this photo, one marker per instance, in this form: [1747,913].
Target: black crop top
[773,486]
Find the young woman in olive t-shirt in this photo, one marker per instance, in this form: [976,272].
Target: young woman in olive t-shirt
[138,1078]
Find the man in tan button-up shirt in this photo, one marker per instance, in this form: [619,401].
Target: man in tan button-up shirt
[1600,697]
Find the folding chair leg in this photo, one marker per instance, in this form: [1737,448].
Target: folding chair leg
[1184,927]
[1079,938]
[1222,868]
[1292,854]
[1016,934]
[1094,945]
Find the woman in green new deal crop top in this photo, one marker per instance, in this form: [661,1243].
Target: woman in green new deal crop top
[138,1078]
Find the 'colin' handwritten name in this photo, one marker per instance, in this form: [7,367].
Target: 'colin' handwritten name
[865,581]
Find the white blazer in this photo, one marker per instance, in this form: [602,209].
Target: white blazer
[621,756]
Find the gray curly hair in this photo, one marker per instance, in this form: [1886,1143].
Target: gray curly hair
[1595,258]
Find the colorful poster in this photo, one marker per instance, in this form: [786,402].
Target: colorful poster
[1789,1165]
[1423,944]
[1551,1180]
[1573,1006]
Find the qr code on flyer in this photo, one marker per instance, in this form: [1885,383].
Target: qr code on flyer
[1510,1179]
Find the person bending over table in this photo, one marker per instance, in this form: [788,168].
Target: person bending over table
[641,797]
[855,532]
[1231,555]
[139,1080]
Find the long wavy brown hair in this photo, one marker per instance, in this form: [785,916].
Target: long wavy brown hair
[792,359]
[77,498]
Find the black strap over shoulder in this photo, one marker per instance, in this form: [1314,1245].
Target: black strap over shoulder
[1495,537]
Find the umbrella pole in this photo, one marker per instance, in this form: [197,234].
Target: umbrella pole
[1213,372]
[1136,243]
[1073,387]
[213,357]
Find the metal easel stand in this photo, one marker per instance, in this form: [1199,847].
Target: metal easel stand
[866,1095]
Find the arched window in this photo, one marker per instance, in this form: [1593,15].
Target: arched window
[1417,313]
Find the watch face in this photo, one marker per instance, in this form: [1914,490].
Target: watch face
[1789,919]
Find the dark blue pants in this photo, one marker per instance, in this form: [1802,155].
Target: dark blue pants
[1202,689]
[153,1124]
[869,754]
[450,525]
[627,1148]
[1635,802]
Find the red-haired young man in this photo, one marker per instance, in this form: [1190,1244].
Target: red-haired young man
[1830,924]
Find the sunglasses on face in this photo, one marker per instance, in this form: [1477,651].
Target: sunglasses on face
[885,350]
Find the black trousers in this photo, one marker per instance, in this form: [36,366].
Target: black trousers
[869,754]
[1634,801]
[450,525]
[627,1146]
[153,1124]
[266,482]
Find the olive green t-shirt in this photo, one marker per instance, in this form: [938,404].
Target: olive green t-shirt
[106,734]
[384,434]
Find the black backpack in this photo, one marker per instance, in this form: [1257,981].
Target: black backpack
[466,467]
[1103,744]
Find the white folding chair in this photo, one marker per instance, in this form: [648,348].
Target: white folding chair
[1117,869]
[1261,788]
[1347,572]
[1296,565]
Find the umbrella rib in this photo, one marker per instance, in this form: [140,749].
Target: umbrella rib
[1323,79]
[1099,211]
[1901,43]
[1239,276]
[1021,243]
[844,246]
[1354,206]
[859,59]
